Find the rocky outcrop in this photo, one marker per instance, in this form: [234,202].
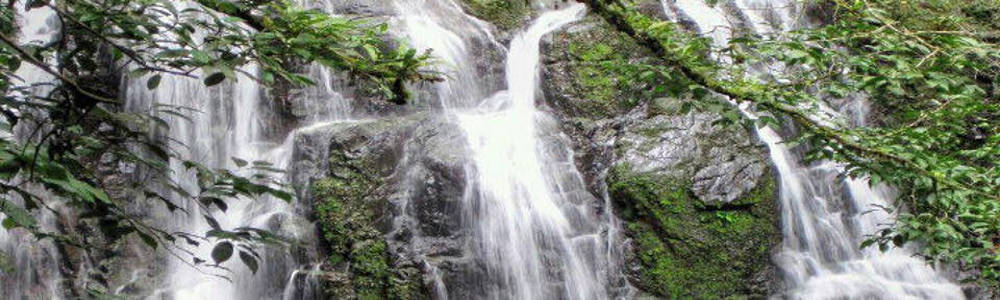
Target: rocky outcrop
[683,248]
[615,119]
[698,200]
[387,195]
[506,15]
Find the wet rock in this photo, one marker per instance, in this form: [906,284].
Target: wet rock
[506,15]
[405,177]
[615,124]
[724,163]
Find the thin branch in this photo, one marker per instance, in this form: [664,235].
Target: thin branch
[44,67]
[128,52]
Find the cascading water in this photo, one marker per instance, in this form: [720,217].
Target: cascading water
[35,264]
[824,218]
[442,26]
[526,236]
[552,255]
[230,122]
[227,126]
[820,255]
[532,228]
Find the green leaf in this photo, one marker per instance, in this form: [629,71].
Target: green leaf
[212,222]
[214,79]
[222,252]
[372,52]
[138,72]
[153,81]
[239,162]
[16,215]
[219,203]
[148,239]
[283,195]
[249,261]
[201,57]
[8,223]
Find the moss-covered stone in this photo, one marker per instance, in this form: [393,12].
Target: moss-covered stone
[596,75]
[685,249]
[347,214]
[505,14]
[590,71]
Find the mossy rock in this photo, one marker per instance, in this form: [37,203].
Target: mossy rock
[506,15]
[685,249]
[351,210]
[591,71]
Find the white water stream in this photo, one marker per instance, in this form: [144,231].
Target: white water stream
[520,204]
[521,215]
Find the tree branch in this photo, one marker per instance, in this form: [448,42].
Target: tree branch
[45,67]
[235,10]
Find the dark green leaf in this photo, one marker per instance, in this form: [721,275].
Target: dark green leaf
[212,222]
[222,252]
[16,215]
[148,239]
[249,261]
[239,162]
[153,81]
[214,79]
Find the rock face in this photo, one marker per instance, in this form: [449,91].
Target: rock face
[387,194]
[723,164]
[698,200]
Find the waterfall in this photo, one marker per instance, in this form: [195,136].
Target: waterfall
[35,263]
[526,236]
[232,121]
[532,228]
[535,231]
[824,218]
[442,27]
[226,124]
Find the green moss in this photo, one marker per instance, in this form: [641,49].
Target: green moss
[505,14]
[594,75]
[371,268]
[597,72]
[686,249]
[601,77]
[347,218]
